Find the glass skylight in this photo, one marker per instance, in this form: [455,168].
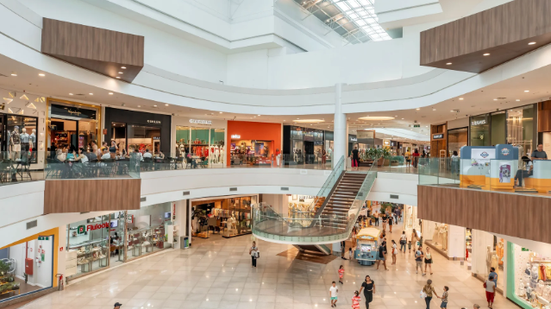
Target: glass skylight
[362,13]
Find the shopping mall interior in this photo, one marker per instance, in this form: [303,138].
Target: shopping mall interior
[249,153]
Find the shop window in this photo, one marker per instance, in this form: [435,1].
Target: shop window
[532,276]
[228,217]
[480,131]
[20,139]
[147,230]
[26,267]
[520,128]
[499,121]
[457,138]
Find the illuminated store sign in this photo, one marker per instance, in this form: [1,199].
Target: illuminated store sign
[478,122]
[235,136]
[199,121]
[438,136]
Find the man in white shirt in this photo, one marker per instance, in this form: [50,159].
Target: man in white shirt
[333,294]
[106,155]
[147,154]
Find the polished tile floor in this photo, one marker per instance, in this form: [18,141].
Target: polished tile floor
[217,273]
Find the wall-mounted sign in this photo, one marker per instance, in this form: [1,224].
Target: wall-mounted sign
[70,111]
[199,121]
[153,121]
[478,122]
[438,136]
[92,227]
[235,136]
[156,138]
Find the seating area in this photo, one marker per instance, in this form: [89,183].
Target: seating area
[14,170]
[56,169]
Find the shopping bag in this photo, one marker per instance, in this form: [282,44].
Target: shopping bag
[422,294]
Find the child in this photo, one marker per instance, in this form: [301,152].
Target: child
[444,297]
[341,274]
[356,300]
[333,294]
[350,256]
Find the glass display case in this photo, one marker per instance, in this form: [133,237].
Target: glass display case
[144,241]
[90,256]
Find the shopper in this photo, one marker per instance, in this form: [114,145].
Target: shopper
[341,274]
[490,287]
[356,300]
[414,239]
[376,216]
[118,305]
[493,274]
[343,249]
[381,256]
[444,298]
[253,252]
[428,289]
[403,241]
[415,156]
[368,286]
[394,252]
[390,219]
[355,158]
[384,218]
[334,294]
[350,254]
[419,260]
[408,158]
[428,261]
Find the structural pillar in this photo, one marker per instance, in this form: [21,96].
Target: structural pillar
[340,128]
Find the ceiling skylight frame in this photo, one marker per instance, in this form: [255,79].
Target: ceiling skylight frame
[362,14]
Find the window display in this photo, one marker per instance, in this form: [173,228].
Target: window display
[532,277]
[480,131]
[457,138]
[26,267]
[229,217]
[204,145]
[146,230]
[520,128]
[20,139]
[252,152]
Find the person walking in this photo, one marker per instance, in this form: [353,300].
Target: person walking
[493,274]
[356,300]
[368,286]
[253,252]
[429,291]
[403,241]
[355,156]
[390,219]
[118,305]
[490,287]
[384,219]
[419,260]
[428,261]
[414,239]
[334,294]
[341,274]
[343,249]
[376,216]
[381,256]
[444,298]
[394,252]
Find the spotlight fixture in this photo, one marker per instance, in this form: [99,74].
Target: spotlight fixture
[434,109]
[155,105]
[110,93]
[526,90]
[532,43]
[486,54]
[518,100]
[13,74]
[495,99]
[91,93]
[118,77]
[139,106]
[24,97]
[167,104]
[220,112]
[70,93]
[30,105]
[124,68]
[121,73]
[418,109]
[41,74]
[449,63]
[460,99]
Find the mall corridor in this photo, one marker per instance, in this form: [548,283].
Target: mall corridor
[217,273]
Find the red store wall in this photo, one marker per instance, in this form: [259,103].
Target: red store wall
[253,131]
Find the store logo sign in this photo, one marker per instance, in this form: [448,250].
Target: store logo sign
[81,229]
[154,121]
[478,122]
[505,151]
[353,139]
[484,154]
[93,227]
[437,136]
[199,121]
[235,136]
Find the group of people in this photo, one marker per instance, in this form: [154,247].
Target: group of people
[94,153]
[412,159]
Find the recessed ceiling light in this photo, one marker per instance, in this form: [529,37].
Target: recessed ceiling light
[118,77]
[460,99]
[418,109]
[526,90]
[13,74]
[91,93]
[402,118]
[449,63]
[495,99]
[124,68]
[121,73]
[155,105]
[41,74]
[434,109]
[309,120]
[110,93]
[166,104]
[486,54]
[258,115]
[518,100]
[70,93]
[531,43]
[376,118]
[220,112]
[139,106]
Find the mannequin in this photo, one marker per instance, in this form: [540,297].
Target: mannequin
[528,290]
[436,235]
[493,262]
[443,231]
[222,158]
[26,143]
[534,279]
[217,154]
[520,291]
[15,142]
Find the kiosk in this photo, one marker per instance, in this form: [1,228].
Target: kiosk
[475,166]
[541,178]
[367,243]
[503,168]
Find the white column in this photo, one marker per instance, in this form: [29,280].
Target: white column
[456,241]
[181,221]
[340,132]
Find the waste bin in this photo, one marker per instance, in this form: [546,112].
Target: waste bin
[184,242]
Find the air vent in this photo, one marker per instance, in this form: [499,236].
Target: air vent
[233,189]
[143,199]
[186,192]
[284,188]
[394,196]
[32,224]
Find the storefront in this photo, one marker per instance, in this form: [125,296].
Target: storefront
[254,143]
[138,130]
[29,265]
[352,142]
[529,275]
[514,126]
[300,205]
[329,142]
[302,145]
[438,141]
[229,217]
[484,252]
[446,239]
[457,138]
[100,242]
[72,124]
[200,139]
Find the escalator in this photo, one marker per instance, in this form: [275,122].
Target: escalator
[314,249]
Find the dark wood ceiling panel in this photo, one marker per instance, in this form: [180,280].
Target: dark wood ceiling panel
[99,50]
[503,31]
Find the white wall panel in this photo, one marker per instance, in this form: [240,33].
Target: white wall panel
[403,185]
[20,202]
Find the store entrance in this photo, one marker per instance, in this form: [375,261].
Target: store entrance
[309,152]
[71,127]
